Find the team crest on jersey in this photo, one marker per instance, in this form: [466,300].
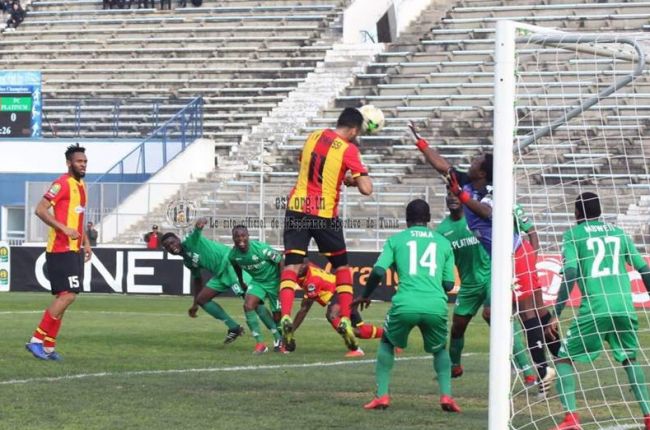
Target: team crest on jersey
[181,213]
[54,189]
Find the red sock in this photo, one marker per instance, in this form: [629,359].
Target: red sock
[45,326]
[369,331]
[335,322]
[344,291]
[288,284]
[50,339]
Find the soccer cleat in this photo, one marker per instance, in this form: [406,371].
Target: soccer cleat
[260,348]
[347,333]
[37,350]
[456,370]
[355,353]
[278,346]
[378,403]
[530,380]
[646,420]
[286,323]
[546,382]
[54,356]
[399,351]
[448,404]
[233,334]
[571,422]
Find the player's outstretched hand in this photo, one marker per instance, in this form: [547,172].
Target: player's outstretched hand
[421,143]
[70,232]
[552,329]
[349,181]
[192,311]
[361,302]
[201,222]
[452,181]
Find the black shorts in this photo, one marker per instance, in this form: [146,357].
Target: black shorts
[299,228]
[65,270]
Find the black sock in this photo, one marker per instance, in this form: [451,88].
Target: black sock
[552,345]
[535,339]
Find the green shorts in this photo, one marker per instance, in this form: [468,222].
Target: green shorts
[470,299]
[584,340]
[225,282]
[433,327]
[266,293]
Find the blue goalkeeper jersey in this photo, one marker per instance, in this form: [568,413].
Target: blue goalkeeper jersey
[481,227]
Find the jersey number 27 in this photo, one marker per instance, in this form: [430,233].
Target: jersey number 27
[599,247]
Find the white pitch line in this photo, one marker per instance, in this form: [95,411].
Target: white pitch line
[625,427]
[209,369]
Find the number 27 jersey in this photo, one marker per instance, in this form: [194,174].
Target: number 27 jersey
[600,251]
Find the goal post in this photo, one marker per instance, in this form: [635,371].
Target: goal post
[567,114]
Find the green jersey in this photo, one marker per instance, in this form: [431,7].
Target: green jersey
[202,253]
[599,252]
[260,261]
[423,259]
[472,260]
[523,223]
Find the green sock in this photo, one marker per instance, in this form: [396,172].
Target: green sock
[442,366]
[637,381]
[267,320]
[219,313]
[456,349]
[519,351]
[385,360]
[566,386]
[251,320]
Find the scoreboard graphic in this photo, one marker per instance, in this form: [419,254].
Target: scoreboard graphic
[20,104]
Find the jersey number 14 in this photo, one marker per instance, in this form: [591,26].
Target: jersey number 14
[428,259]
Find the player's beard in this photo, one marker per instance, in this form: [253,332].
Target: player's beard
[78,174]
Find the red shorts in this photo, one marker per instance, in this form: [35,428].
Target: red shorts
[525,271]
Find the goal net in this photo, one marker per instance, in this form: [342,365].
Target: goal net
[581,114]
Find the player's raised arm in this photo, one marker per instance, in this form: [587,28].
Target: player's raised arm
[201,223]
[432,155]
[305,306]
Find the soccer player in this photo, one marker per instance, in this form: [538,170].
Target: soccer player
[320,286]
[198,253]
[64,259]
[474,190]
[474,269]
[595,255]
[424,261]
[262,263]
[312,212]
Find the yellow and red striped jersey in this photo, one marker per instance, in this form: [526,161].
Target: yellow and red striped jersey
[68,198]
[318,284]
[325,159]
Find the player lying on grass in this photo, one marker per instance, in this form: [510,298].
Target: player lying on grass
[474,191]
[595,254]
[474,268]
[263,264]
[198,253]
[424,261]
[319,286]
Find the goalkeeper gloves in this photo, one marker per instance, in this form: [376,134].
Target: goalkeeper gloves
[455,187]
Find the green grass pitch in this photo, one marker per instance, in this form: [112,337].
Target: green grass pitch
[136,362]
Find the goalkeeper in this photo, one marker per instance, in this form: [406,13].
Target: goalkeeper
[595,255]
[474,190]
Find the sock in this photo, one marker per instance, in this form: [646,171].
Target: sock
[219,313]
[566,386]
[267,319]
[344,291]
[46,325]
[288,284]
[385,361]
[535,338]
[253,324]
[442,366]
[369,331]
[637,381]
[519,353]
[50,339]
[335,322]
[456,349]
[552,345]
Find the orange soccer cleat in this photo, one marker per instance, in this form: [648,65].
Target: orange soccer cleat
[356,353]
[530,380]
[448,404]
[378,403]
[571,422]
[260,348]
[456,371]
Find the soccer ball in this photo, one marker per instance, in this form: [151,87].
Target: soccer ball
[373,119]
